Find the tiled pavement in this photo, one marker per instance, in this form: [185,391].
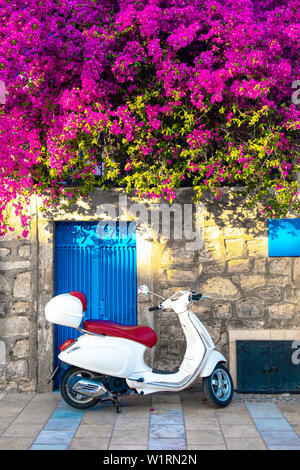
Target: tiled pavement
[162,421]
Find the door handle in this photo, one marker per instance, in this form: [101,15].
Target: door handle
[268,370]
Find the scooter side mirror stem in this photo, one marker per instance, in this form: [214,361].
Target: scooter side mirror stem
[160,296]
[194,288]
[196,283]
[144,290]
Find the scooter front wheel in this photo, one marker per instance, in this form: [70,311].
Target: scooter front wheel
[72,398]
[218,387]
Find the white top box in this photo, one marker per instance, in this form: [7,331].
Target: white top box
[64,309]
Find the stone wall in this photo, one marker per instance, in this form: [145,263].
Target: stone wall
[17,315]
[248,289]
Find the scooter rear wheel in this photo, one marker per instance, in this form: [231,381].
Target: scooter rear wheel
[218,387]
[76,400]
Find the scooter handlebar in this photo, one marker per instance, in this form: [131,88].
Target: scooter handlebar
[196,296]
[193,297]
[151,309]
[157,307]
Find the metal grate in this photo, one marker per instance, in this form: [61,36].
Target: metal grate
[267,367]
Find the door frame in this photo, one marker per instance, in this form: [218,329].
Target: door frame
[128,253]
[147,254]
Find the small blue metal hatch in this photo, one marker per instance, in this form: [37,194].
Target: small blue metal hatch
[267,367]
[99,260]
[284,237]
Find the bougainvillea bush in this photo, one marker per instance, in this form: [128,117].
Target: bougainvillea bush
[156,93]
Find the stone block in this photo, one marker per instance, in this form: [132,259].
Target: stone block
[21,348]
[251,281]
[296,272]
[259,266]
[17,369]
[4,252]
[285,335]
[27,385]
[24,251]
[244,334]
[238,265]
[293,296]
[14,326]
[22,285]
[220,287]
[201,308]
[280,266]
[221,310]
[179,275]
[2,352]
[233,231]
[212,250]
[177,256]
[269,293]
[20,307]
[234,247]
[4,284]
[248,308]
[212,232]
[217,267]
[279,311]
[14,265]
[281,281]
[257,247]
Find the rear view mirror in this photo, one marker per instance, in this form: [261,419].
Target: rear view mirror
[143,290]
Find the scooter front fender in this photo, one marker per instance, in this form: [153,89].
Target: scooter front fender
[213,359]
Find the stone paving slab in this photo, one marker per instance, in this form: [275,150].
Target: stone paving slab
[245,444]
[273,427]
[165,421]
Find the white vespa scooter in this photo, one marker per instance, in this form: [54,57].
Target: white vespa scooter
[106,361]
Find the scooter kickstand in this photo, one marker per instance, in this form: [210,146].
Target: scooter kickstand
[116,402]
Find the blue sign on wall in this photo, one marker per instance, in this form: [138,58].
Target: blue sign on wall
[284,237]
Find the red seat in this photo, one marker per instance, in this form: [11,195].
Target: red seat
[140,334]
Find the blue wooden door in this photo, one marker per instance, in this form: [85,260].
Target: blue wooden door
[100,263]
